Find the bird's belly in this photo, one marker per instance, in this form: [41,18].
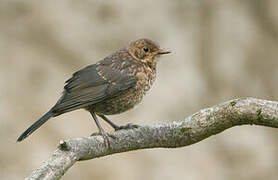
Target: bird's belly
[120,103]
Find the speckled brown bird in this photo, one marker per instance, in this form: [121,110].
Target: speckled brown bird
[111,86]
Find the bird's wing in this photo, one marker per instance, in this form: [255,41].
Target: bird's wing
[91,85]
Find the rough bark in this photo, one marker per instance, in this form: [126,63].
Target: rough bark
[175,134]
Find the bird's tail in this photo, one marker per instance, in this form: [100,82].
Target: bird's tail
[36,125]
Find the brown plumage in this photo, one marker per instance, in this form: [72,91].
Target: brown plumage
[111,86]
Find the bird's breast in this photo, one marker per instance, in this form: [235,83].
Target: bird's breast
[146,78]
[145,75]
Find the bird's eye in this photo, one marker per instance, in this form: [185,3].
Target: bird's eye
[146,49]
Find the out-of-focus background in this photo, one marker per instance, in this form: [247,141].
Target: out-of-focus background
[221,50]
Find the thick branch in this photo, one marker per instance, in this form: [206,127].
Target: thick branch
[192,129]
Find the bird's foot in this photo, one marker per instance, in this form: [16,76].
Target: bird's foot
[106,140]
[128,126]
[105,137]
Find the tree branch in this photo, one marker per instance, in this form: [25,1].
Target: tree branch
[191,130]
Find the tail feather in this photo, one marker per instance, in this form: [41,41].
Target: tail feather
[35,126]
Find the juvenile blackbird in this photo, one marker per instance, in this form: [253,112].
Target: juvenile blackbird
[111,86]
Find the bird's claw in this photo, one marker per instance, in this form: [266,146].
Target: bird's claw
[128,126]
[105,137]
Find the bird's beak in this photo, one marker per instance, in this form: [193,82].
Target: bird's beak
[163,51]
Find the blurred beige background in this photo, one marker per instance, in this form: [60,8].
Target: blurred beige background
[221,50]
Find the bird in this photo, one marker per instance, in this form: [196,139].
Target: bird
[113,85]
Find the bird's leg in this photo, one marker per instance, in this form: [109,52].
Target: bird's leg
[116,127]
[101,130]
[111,123]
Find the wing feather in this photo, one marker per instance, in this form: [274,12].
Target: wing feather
[91,85]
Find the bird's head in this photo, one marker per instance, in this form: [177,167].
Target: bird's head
[146,51]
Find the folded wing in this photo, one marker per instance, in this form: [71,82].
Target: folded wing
[91,85]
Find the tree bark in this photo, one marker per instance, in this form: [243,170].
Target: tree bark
[175,134]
